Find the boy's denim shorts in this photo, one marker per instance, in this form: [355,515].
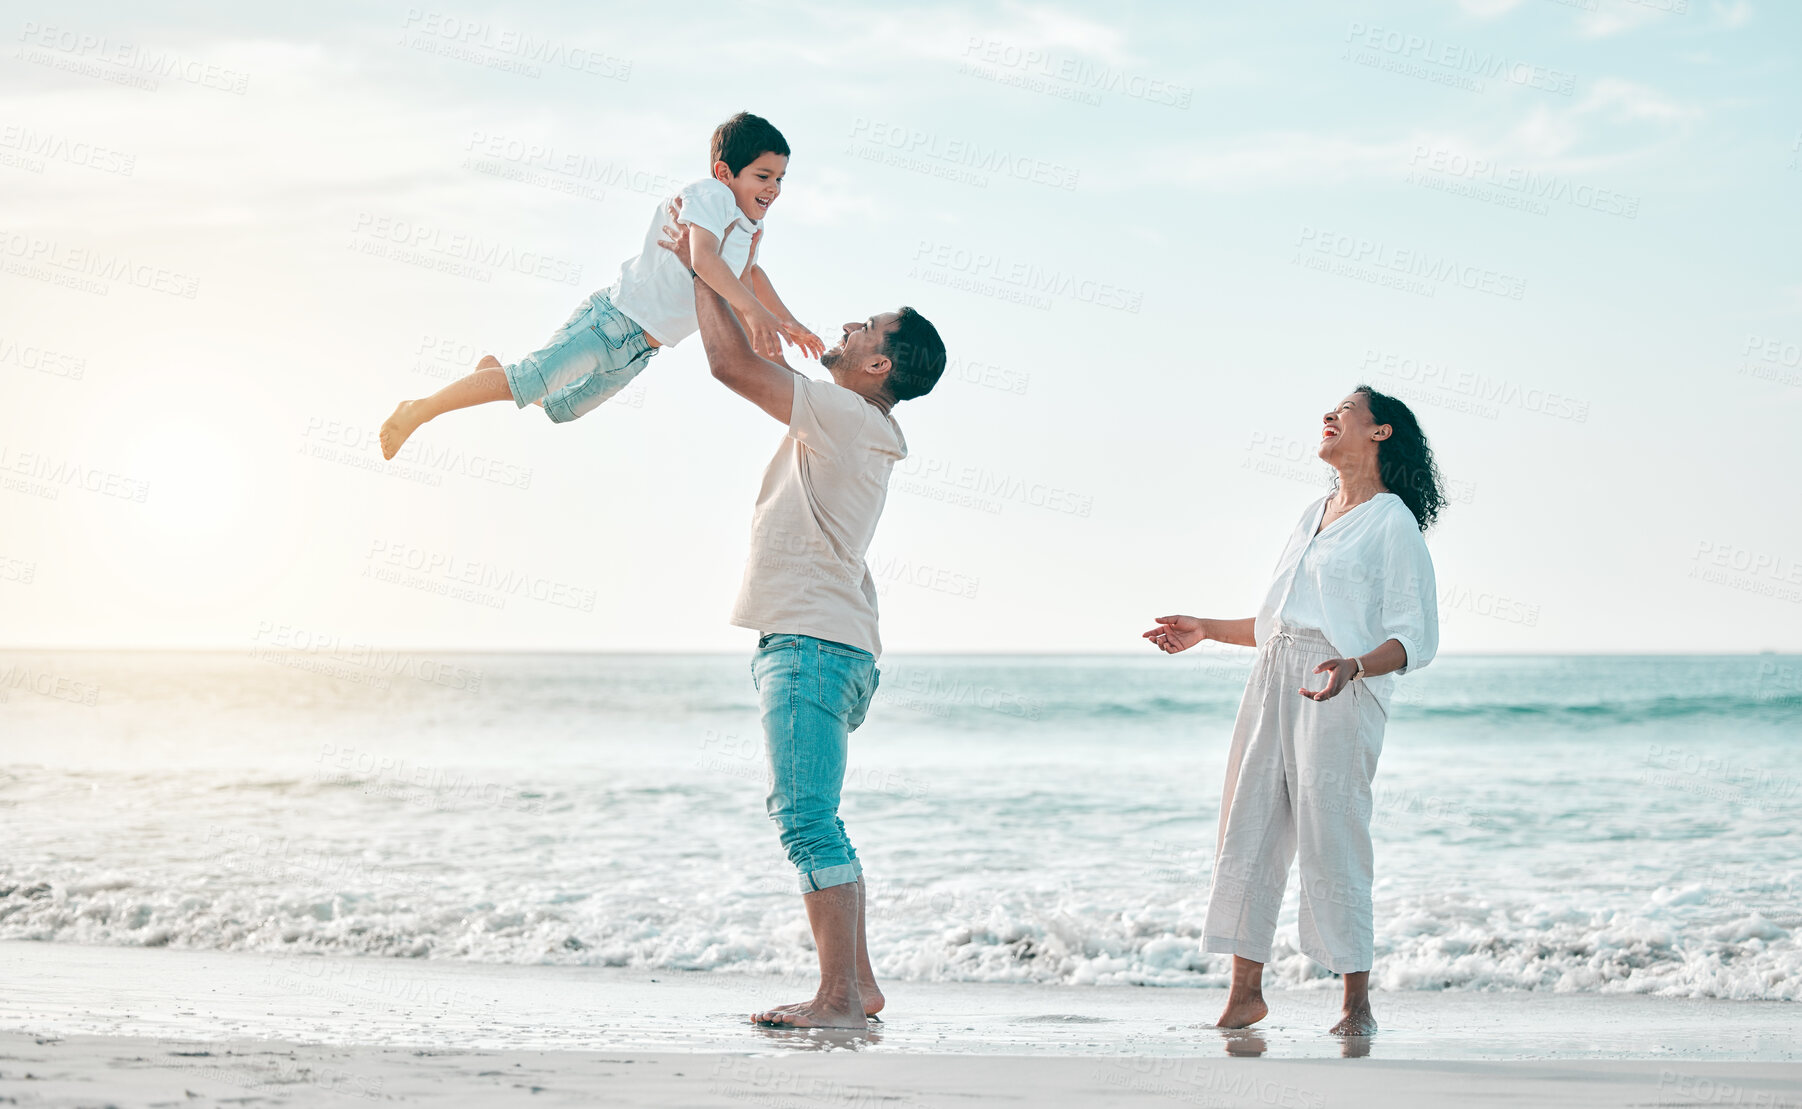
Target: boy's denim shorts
[591,357]
[813,693]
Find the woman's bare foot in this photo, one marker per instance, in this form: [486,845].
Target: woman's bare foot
[1243,1011]
[1356,1021]
[400,427]
[815,1014]
[872,997]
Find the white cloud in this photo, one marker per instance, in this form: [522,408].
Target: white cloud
[1283,158]
[1621,99]
[1488,9]
[1050,28]
[1733,15]
[1613,17]
[1572,138]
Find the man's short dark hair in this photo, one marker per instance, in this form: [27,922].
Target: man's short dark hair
[743,139]
[917,353]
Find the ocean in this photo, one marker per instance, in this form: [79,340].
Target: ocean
[1568,824]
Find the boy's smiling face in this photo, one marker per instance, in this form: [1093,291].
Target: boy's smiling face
[757,185]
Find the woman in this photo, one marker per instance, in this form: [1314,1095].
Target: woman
[1353,598]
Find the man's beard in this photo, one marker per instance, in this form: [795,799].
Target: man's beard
[831,358]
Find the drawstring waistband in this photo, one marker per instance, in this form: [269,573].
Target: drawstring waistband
[1290,636]
[1287,638]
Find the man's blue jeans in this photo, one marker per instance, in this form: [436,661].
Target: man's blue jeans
[814,693]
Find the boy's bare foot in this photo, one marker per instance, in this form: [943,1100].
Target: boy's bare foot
[400,427]
[1356,1021]
[814,1014]
[1241,1012]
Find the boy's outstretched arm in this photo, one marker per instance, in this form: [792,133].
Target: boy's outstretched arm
[798,335]
[768,385]
[766,330]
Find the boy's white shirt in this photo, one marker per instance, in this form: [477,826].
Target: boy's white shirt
[654,289]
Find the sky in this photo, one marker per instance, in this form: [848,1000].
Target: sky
[1160,241]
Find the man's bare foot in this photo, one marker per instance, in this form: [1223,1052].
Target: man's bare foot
[1243,1011]
[1356,1021]
[814,1014]
[400,427]
[873,1002]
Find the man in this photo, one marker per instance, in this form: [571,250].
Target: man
[809,592]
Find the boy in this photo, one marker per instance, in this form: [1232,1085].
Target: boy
[614,333]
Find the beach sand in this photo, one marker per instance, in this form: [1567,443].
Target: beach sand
[132,1026]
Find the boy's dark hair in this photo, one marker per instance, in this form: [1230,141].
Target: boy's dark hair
[917,354]
[744,138]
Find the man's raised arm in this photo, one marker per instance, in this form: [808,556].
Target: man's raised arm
[769,385]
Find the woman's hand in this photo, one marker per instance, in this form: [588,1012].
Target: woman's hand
[1177,633]
[1342,670]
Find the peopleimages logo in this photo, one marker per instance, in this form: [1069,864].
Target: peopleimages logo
[53,259]
[456,247]
[526,51]
[1026,278]
[1516,186]
[48,475]
[1423,267]
[993,487]
[543,163]
[1476,386]
[964,153]
[43,44]
[44,146]
[439,571]
[1451,58]
[1040,70]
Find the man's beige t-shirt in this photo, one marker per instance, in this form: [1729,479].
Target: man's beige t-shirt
[822,495]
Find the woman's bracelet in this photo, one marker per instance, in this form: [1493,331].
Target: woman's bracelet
[1360,661]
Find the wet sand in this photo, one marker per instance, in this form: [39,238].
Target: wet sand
[134,1026]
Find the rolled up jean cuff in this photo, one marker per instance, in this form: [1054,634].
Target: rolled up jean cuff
[813,881]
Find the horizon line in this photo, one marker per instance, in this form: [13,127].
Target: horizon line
[955,653]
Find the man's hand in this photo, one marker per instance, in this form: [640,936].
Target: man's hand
[680,242]
[1177,633]
[1342,670]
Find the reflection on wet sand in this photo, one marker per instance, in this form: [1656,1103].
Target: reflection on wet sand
[1244,1042]
[1250,1043]
[820,1039]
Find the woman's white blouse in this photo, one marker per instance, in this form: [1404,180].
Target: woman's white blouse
[1366,578]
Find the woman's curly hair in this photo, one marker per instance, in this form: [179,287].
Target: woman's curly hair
[1405,459]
